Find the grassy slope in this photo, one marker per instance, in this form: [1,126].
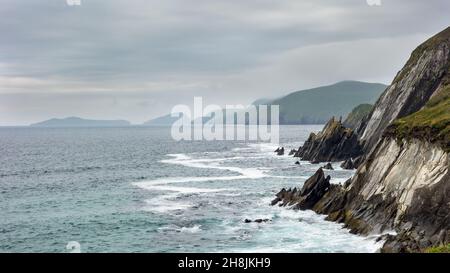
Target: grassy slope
[432,123]
[415,55]
[439,249]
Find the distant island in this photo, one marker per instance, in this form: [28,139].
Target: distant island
[80,122]
[166,120]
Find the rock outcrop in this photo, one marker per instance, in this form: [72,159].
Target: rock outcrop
[402,187]
[334,143]
[279,151]
[395,190]
[348,164]
[259,221]
[312,191]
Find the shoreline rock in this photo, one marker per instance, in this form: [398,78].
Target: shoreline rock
[259,221]
[368,204]
[348,164]
[334,143]
[312,191]
[279,151]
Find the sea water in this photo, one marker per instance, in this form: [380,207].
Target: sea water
[134,189]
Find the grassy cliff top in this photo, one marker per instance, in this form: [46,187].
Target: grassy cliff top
[431,123]
[431,44]
[439,249]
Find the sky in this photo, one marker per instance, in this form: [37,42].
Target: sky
[136,59]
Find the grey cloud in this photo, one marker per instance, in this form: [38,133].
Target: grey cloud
[217,48]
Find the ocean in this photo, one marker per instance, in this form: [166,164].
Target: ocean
[134,189]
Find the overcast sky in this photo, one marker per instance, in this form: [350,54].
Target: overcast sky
[136,59]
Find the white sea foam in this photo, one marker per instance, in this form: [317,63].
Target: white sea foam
[186,190]
[302,162]
[337,180]
[242,149]
[184,160]
[170,201]
[316,234]
[290,177]
[264,147]
[193,229]
[175,228]
[165,203]
[161,181]
[230,194]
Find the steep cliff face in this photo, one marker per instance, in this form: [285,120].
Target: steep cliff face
[402,187]
[400,169]
[413,86]
[403,184]
[333,143]
[430,124]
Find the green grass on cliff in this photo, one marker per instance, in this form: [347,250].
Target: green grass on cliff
[439,249]
[432,123]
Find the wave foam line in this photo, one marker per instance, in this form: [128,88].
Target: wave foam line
[184,190]
[184,160]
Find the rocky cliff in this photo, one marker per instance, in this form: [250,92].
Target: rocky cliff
[403,185]
[334,143]
[312,191]
[424,73]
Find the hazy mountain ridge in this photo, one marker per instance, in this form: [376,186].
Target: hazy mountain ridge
[317,105]
[312,106]
[165,120]
[80,122]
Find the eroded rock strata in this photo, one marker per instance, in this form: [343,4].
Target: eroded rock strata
[394,191]
[334,143]
[312,191]
[348,164]
[424,73]
[402,184]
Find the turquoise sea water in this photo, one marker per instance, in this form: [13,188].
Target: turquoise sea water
[136,190]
